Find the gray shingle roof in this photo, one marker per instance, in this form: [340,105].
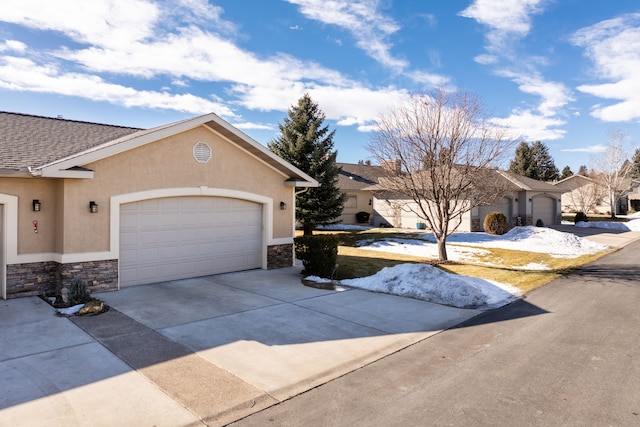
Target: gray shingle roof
[32,141]
[356,176]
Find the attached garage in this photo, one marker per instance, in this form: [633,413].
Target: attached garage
[180,237]
[543,208]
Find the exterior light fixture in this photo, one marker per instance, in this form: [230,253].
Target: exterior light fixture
[36,205]
[93,207]
[283,206]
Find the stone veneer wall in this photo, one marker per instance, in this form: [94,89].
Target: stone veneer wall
[279,256]
[31,279]
[49,278]
[99,276]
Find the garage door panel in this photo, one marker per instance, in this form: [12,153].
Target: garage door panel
[543,209]
[180,237]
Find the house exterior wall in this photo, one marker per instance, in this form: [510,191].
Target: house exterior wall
[390,211]
[26,190]
[80,243]
[402,214]
[168,163]
[357,201]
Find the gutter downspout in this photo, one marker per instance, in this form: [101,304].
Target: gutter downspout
[34,172]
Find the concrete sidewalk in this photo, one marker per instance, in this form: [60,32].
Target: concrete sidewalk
[203,351]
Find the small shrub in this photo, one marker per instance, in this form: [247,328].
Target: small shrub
[318,254]
[539,223]
[78,293]
[580,216]
[496,223]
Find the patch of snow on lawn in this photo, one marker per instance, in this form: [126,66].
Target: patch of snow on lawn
[633,225]
[529,238]
[428,283]
[344,227]
[419,248]
[543,240]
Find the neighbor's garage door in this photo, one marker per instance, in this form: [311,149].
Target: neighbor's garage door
[543,208]
[503,206]
[180,237]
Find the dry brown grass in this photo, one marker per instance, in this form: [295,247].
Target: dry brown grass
[359,262]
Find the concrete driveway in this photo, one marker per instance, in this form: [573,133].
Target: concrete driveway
[203,351]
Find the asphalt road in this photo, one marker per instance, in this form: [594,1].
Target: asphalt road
[568,355]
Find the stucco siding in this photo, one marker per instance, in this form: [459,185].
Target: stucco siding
[167,163]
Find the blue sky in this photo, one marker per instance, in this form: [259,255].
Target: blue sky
[565,72]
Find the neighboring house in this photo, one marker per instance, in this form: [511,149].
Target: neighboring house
[116,206]
[525,201]
[582,194]
[585,194]
[352,181]
[634,197]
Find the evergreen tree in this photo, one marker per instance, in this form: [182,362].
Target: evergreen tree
[545,168]
[583,170]
[522,162]
[566,172]
[307,144]
[635,165]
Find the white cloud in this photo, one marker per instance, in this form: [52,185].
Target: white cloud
[253,126]
[362,19]
[25,75]
[532,126]
[111,41]
[614,47]
[105,22]
[590,149]
[13,45]
[505,18]
[433,80]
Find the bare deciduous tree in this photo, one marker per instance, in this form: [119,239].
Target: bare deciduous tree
[442,146]
[612,167]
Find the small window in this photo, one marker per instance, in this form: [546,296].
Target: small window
[202,152]
[351,201]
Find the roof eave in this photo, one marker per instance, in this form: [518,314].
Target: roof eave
[62,168]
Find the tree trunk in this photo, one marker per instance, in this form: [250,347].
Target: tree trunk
[442,248]
[308,229]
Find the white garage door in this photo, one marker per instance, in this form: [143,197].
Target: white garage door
[503,206]
[543,208]
[180,237]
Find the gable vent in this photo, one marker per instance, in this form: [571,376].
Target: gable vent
[202,152]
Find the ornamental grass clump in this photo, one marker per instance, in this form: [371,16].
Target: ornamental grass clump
[78,293]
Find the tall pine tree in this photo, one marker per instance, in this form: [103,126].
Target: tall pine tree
[544,166]
[534,162]
[307,144]
[566,172]
[522,163]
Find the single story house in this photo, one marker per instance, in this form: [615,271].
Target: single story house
[116,206]
[586,194]
[582,194]
[352,181]
[525,201]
